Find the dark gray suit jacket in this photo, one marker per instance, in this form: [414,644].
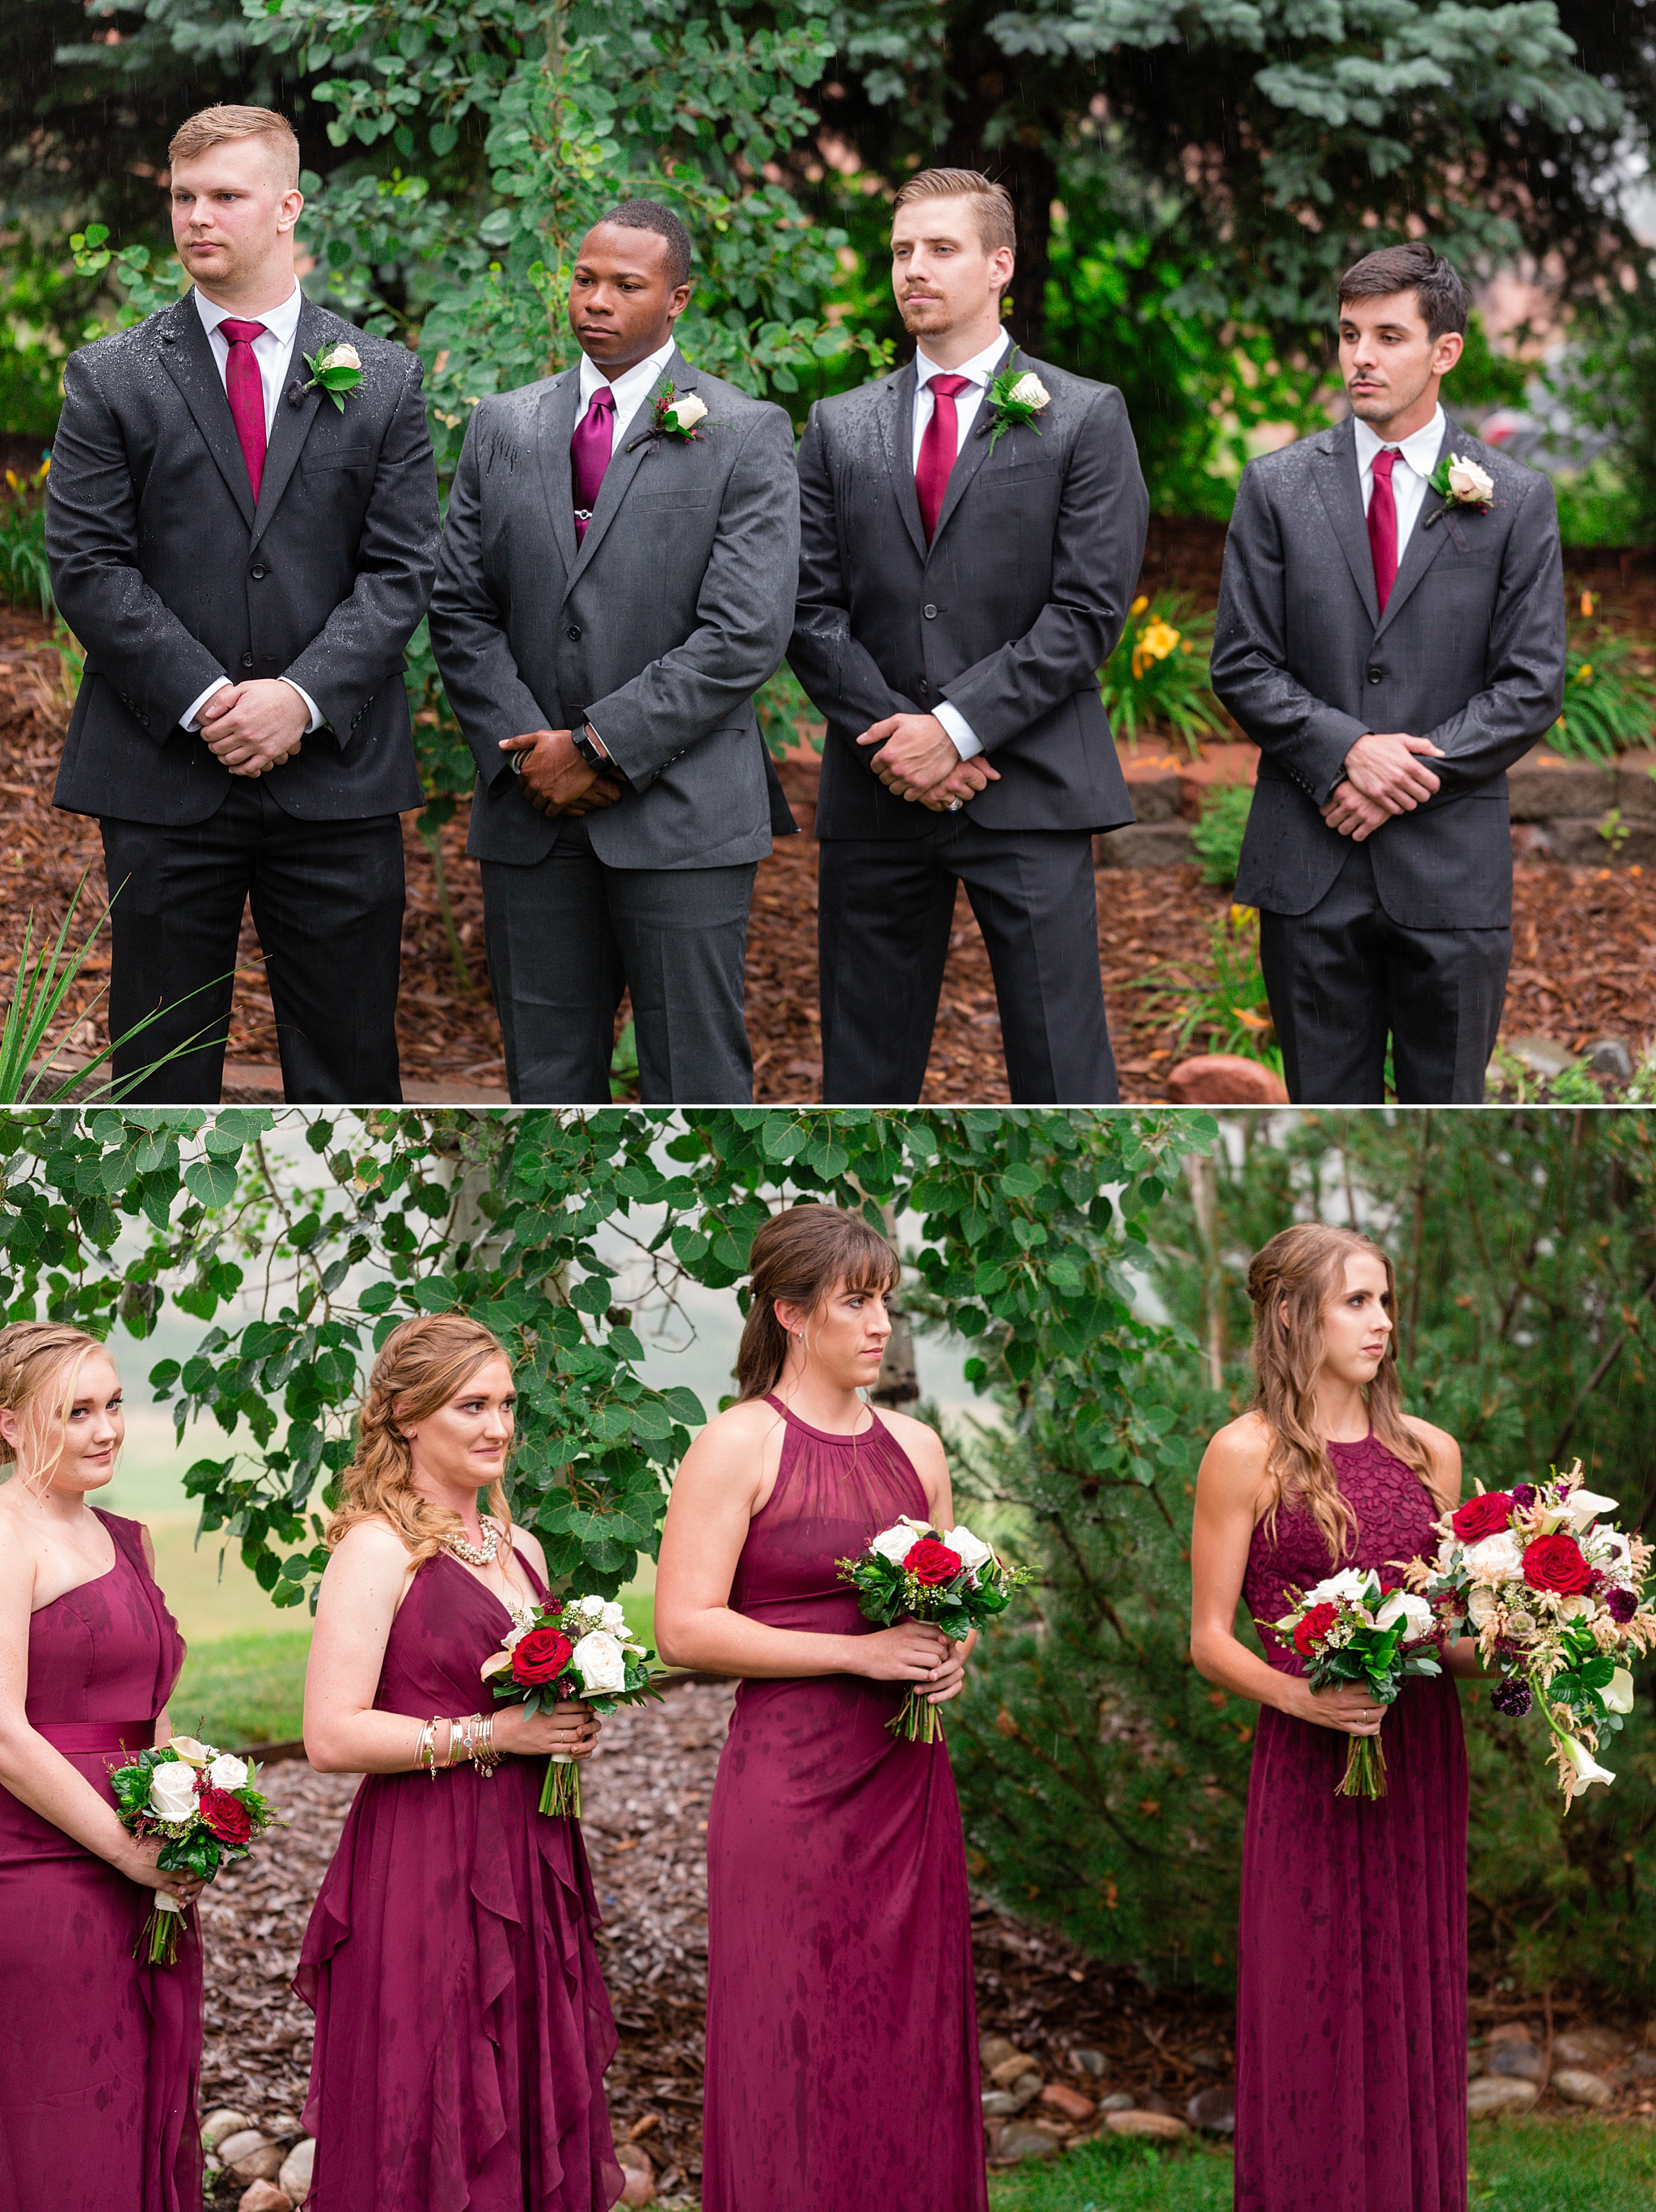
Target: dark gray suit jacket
[1009,613]
[168,577]
[1469,652]
[659,626]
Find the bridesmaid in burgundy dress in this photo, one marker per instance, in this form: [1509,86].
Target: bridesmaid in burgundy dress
[841,2047]
[1351,2000]
[100,2056]
[462,2027]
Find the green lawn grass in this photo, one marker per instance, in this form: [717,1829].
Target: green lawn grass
[1577,2165]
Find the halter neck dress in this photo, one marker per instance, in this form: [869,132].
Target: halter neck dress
[842,2042]
[462,2024]
[99,2055]
[1351,1999]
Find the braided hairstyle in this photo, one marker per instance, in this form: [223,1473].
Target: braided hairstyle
[801,1256]
[41,1363]
[424,1362]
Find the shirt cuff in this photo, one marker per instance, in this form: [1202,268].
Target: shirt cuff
[960,730]
[315,721]
[188,721]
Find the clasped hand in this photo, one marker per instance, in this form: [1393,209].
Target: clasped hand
[556,779]
[917,761]
[254,726]
[140,1867]
[1386,775]
[571,1728]
[915,1652]
[1348,1706]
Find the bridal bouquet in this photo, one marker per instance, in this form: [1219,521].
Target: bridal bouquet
[1353,1627]
[1555,1595]
[910,1572]
[580,1647]
[204,1802]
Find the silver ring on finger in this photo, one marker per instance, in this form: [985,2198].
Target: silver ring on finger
[954,806]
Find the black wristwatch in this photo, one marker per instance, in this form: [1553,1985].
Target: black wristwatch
[600,764]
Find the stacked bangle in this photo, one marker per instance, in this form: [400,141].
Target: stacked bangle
[472,1738]
[425,1750]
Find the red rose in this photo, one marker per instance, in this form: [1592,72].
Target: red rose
[227,1816]
[1312,1629]
[540,1656]
[931,1563]
[1482,1516]
[1554,1563]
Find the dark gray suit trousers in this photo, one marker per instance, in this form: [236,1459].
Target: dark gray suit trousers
[566,935]
[1343,975]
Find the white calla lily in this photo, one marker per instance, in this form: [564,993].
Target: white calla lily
[1617,1693]
[1588,1769]
[1583,1506]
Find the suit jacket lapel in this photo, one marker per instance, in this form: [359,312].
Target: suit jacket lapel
[187,357]
[555,428]
[1424,544]
[973,452]
[293,416]
[635,450]
[897,434]
[1335,478]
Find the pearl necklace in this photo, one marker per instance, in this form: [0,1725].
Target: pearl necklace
[475,1555]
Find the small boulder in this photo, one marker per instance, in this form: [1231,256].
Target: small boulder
[251,2156]
[298,2169]
[1542,1057]
[1642,2066]
[1026,2088]
[1069,2103]
[639,2173]
[1609,1058]
[1116,2101]
[1213,2110]
[1022,2139]
[1591,2047]
[1155,2102]
[1005,2071]
[1577,2086]
[221,2123]
[1164,2126]
[1000,2105]
[265,2197]
[1207,2060]
[1225,1079]
[1519,2062]
[1492,2093]
[1510,2030]
[1092,2062]
[994,2049]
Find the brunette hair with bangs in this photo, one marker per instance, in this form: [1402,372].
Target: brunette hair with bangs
[803,1255]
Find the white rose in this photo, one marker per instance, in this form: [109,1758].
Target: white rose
[601,1662]
[341,356]
[191,1753]
[614,1616]
[1414,1612]
[1617,1693]
[1030,392]
[973,1551]
[229,1773]
[1468,481]
[893,1544]
[173,1791]
[1348,1583]
[1495,1559]
[1582,1506]
[688,411]
[1481,1603]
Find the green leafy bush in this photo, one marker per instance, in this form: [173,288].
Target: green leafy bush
[1221,1007]
[24,576]
[1217,833]
[1609,704]
[1156,680]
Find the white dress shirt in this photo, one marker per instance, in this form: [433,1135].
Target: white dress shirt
[631,388]
[272,352]
[979,369]
[1417,457]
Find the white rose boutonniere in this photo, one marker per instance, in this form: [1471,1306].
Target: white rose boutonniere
[336,369]
[1461,483]
[674,415]
[1012,401]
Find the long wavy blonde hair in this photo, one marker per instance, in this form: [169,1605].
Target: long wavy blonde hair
[1301,1270]
[423,1363]
[41,1363]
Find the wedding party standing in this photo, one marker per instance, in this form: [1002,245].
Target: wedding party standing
[244,554]
[617,580]
[100,2052]
[841,2049]
[1391,635]
[971,529]
[462,2026]
[1351,1998]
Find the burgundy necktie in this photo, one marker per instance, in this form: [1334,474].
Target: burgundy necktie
[244,387]
[1383,525]
[937,445]
[589,455]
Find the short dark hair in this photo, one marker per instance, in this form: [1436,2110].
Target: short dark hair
[650,214]
[1413,268]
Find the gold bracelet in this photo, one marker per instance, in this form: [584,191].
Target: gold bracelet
[487,1757]
[425,1750]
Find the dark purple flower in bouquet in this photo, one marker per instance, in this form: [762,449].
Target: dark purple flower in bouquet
[1621,1605]
[1511,1695]
[1522,1495]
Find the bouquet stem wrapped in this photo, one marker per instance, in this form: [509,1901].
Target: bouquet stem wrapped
[1351,1627]
[202,1802]
[578,1647]
[955,1583]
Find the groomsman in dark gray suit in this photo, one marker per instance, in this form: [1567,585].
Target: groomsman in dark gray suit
[616,581]
[971,533]
[1391,635]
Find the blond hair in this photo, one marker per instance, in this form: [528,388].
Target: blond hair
[221,127]
[424,1362]
[992,208]
[1301,1269]
[41,1363]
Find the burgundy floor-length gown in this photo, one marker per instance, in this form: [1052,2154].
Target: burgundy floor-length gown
[462,2026]
[1351,2004]
[842,2041]
[100,2056]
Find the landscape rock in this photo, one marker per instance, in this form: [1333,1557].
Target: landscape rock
[1092,2062]
[1142,845]
[1519,2062]
[1005,2071]
[1116,2101]
[1591,2047]
[1544,785]
[1635,785]
[1155,2102]
[297,2169]
[1207,2060]
[1166,2127]
[1026,2088]
[219,2125]
[1225,1079]
[1609,1059]
[1642,2066]
[251,2156]
[1577,2086]
[993,2049]
[1213,2110]
[1000,2105]
[1153,789]
[1510,2030]
[265,2197]
[636,2166]
[1022,2139]
[1544,1058]
[1474,2064]
[1493,2094]
[1069,2103]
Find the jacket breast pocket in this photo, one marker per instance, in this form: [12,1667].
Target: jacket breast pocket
[671,499]
[339,457]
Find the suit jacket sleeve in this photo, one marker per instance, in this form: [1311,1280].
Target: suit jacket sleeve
[1525,690]
[130,634]
[360,646]
[468,630]
[1102,519]
[1249,668]
[841,677]
[744,608]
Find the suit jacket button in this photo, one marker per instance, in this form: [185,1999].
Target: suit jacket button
[247,660]
[572,632]
[1375,674]
[931,614]
[258,575]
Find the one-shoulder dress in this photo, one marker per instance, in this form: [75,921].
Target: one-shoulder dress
[841,2046]
[462,2024]
[1351,2000]
[99,2055]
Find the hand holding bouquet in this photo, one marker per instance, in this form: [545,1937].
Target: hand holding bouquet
[202,1802]
[1350,1627]
[1555,1595]
[952,1581]
[576,1647]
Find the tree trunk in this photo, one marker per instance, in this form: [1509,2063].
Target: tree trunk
[1006,126]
